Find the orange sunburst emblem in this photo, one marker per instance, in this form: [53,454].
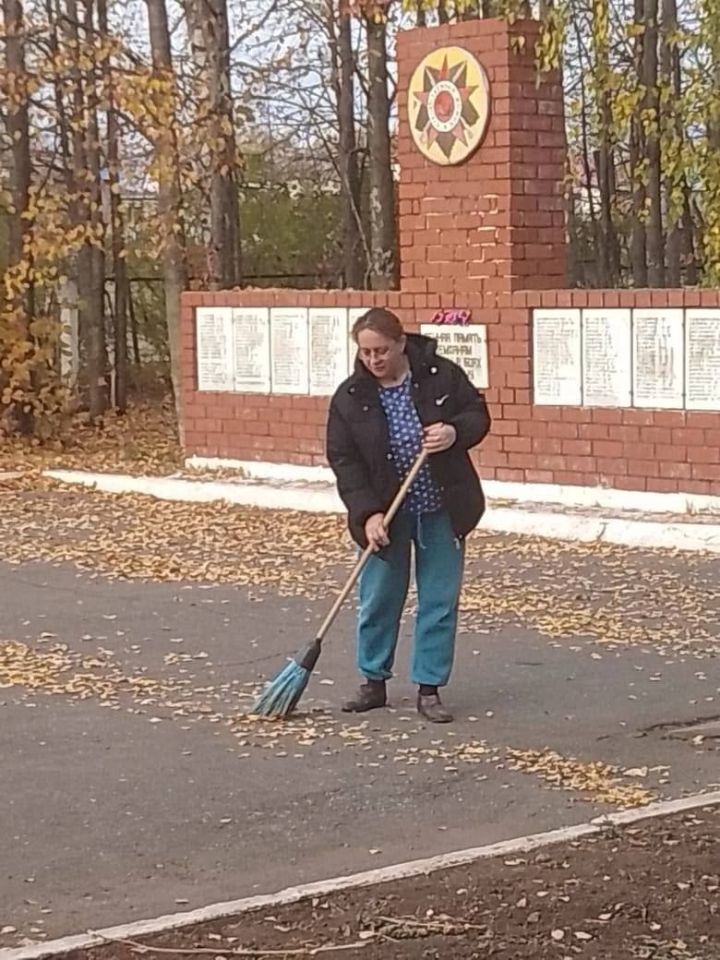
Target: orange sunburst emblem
[448,105]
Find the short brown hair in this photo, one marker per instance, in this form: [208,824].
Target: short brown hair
[380,321]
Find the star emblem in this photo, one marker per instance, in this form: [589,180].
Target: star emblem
[448,105]
[446,112]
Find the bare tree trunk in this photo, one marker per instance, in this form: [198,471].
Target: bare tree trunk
[672,123]
[651,110]
[54,15]
[210,40]
[609,254]
[383,265]
[343,78]
[638,246]
[85,208]
[600,250]
[134,334]
[688,245]
[688,255]
[169,192]
[18,131]
[573,264]
[96,345]
[120,333]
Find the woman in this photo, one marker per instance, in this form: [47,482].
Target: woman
[403,397]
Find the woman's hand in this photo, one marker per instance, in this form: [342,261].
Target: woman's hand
[375,532]
[439,437]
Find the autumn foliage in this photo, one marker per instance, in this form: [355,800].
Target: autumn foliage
[95,111]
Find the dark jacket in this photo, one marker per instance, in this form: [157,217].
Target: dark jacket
[358,443]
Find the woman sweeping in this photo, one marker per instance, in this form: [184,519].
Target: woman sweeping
[403,398]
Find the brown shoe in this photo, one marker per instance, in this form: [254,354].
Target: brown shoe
[430,707]
[370,696]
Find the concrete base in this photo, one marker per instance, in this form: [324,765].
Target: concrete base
[568,495]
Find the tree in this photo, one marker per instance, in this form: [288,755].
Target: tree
[117,225]
[343,77]
[651,123]
[608,251]
[383,249]
[85,206]
[210,42]
[167,172]
[18,296]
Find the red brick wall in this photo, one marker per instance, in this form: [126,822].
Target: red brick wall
[508,192]
[243,426]
[664,451]
[654,450]
[475,227]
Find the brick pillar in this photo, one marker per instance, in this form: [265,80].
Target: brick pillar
[495,223]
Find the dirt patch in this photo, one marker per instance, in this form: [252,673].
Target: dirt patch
[650,891]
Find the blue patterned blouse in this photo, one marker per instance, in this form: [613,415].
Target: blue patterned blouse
[406,434]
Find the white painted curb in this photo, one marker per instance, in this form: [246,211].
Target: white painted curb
[647,534]
[565,495]
[399,871]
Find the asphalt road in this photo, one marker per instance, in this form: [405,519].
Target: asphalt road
[133,786]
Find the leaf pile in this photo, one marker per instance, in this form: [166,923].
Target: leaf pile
[143,441]
[606,593]
[598,781]
[59,670]
[140,537]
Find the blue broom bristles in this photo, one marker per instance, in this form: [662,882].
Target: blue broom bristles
[282,694]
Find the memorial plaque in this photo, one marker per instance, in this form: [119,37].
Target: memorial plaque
[702,359]
[353,314]
[251,344]
[557,363]
[607,363]
[658,358]
[289,350]
[328,349]
[213,334]
[464,345]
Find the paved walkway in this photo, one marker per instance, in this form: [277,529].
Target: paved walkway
[134,786]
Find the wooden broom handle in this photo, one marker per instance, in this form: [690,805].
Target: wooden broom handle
[368,551]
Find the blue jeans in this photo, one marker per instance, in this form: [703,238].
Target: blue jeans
[439,562]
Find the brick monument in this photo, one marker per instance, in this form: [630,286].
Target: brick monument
[588,389]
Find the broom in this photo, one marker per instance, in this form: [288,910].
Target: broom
[282,694]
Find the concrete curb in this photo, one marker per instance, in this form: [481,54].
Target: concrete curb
[399,871]
[645,534]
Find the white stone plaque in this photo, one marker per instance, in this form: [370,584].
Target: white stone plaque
[354,313]
[251,349]
[557,362]
[607,358]
[213,336]
[328,349]
[464,345]
[702,359]
[289,350]
[658,358]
